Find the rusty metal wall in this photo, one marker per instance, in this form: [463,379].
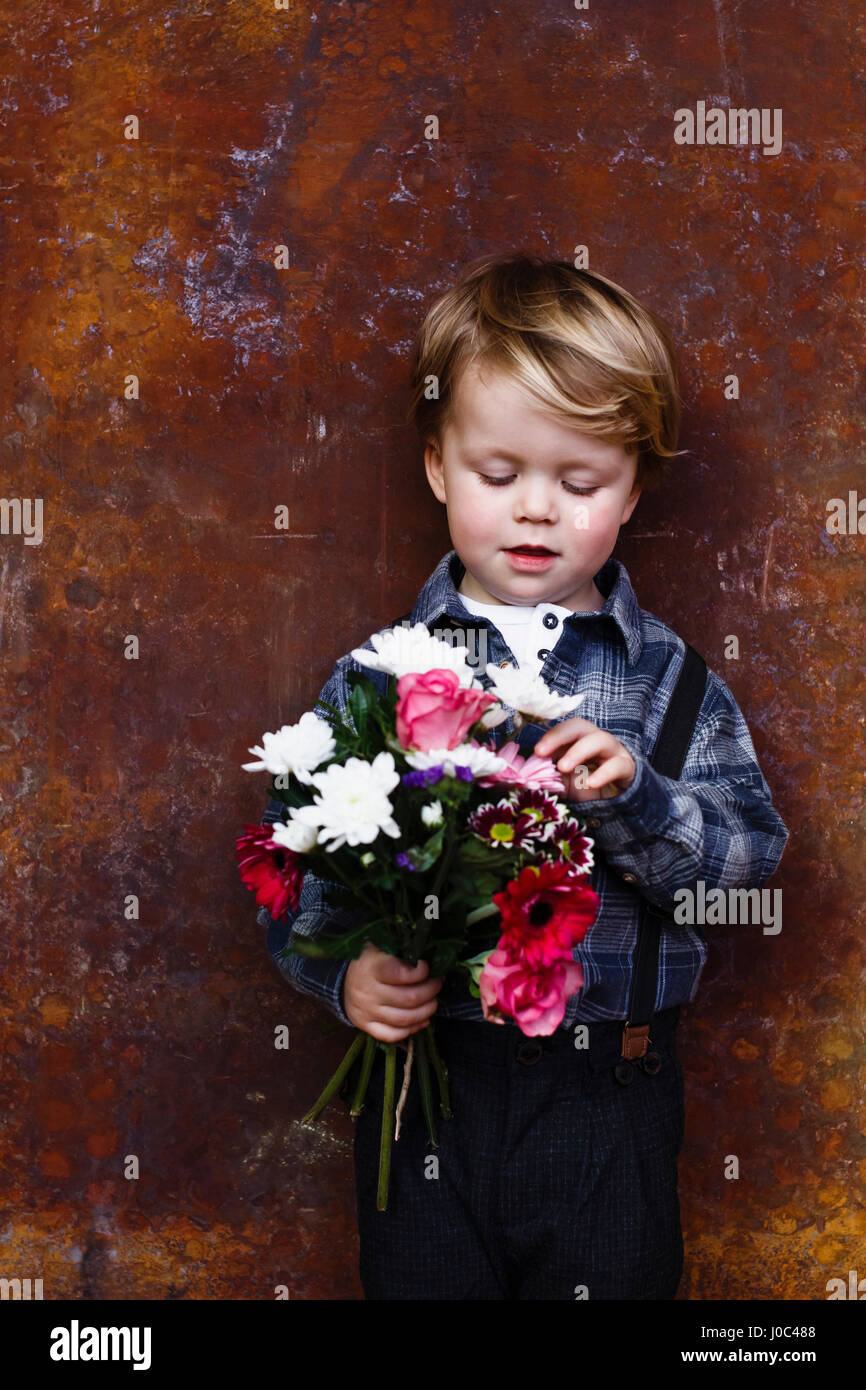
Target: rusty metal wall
[167,384]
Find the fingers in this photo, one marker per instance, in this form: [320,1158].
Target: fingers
[399,1004]
[393,986]
[596,742]
[396,1017]
[587,749]
[385,1034]
[391,1024]
[565,732]
[407,996]
[615,768]
[397,972]
[605,780]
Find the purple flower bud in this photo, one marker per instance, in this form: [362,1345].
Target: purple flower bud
[414,779]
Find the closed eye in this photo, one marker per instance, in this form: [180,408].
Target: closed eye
[569,487]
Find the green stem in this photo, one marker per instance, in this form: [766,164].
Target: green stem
[332,868]
[337,1079]
[441,1071]
[366,1068]
[387,1127]
[486,910]
[445,865]
[424,1079]
[410,921]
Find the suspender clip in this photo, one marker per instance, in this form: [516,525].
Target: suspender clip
[635,1040]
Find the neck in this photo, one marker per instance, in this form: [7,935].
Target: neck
[591,601]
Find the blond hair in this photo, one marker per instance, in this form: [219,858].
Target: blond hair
[585,348]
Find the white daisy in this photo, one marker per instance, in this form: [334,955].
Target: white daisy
[478,759]
[401,651]
[297,748]
[432,814]
[354,805]
[522,689]
[493,715]
[295,836]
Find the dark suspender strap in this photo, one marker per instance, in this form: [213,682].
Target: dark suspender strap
[682,715]
[668,757]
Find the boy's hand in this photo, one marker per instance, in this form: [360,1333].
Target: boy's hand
[611,765]
[386,997]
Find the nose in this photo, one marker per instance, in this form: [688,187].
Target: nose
[534,500]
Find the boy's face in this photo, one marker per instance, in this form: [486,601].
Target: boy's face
[554,486]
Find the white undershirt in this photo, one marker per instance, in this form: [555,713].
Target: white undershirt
[522,625]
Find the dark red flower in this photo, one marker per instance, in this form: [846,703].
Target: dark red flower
[269,870]
[567,841]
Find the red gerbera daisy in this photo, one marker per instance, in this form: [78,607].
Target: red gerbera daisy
[269,870]
[546,911]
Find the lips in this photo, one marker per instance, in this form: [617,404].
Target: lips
[530,550]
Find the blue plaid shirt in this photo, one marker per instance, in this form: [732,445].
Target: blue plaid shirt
[716,823]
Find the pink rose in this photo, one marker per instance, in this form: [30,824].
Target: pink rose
[535,999]
[435,711]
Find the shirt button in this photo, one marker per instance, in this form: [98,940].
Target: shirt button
[593,821]
[543,653]
[629,878]
[550,620]
[528,1052]
[504,663]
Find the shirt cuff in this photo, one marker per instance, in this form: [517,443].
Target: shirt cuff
[327,975]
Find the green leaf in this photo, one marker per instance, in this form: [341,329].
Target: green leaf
[475,965]
[310,946]
[474,851]
[424,856]
[359,704]
[329,707]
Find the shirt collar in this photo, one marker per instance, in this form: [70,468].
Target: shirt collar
[439,598]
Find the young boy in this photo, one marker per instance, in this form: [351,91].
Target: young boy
[556,1178]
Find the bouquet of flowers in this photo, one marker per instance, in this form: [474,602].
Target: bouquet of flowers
[414,816]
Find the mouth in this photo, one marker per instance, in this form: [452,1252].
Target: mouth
[530,559]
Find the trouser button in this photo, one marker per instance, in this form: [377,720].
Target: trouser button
[528,1052]
[624,1072]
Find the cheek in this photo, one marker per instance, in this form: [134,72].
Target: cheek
[605,516]
[591,518]
[477,510]
[610,514]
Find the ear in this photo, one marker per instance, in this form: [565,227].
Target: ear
[433,467]
[631,503]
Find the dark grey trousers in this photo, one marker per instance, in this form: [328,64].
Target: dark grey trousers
[553,1179]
